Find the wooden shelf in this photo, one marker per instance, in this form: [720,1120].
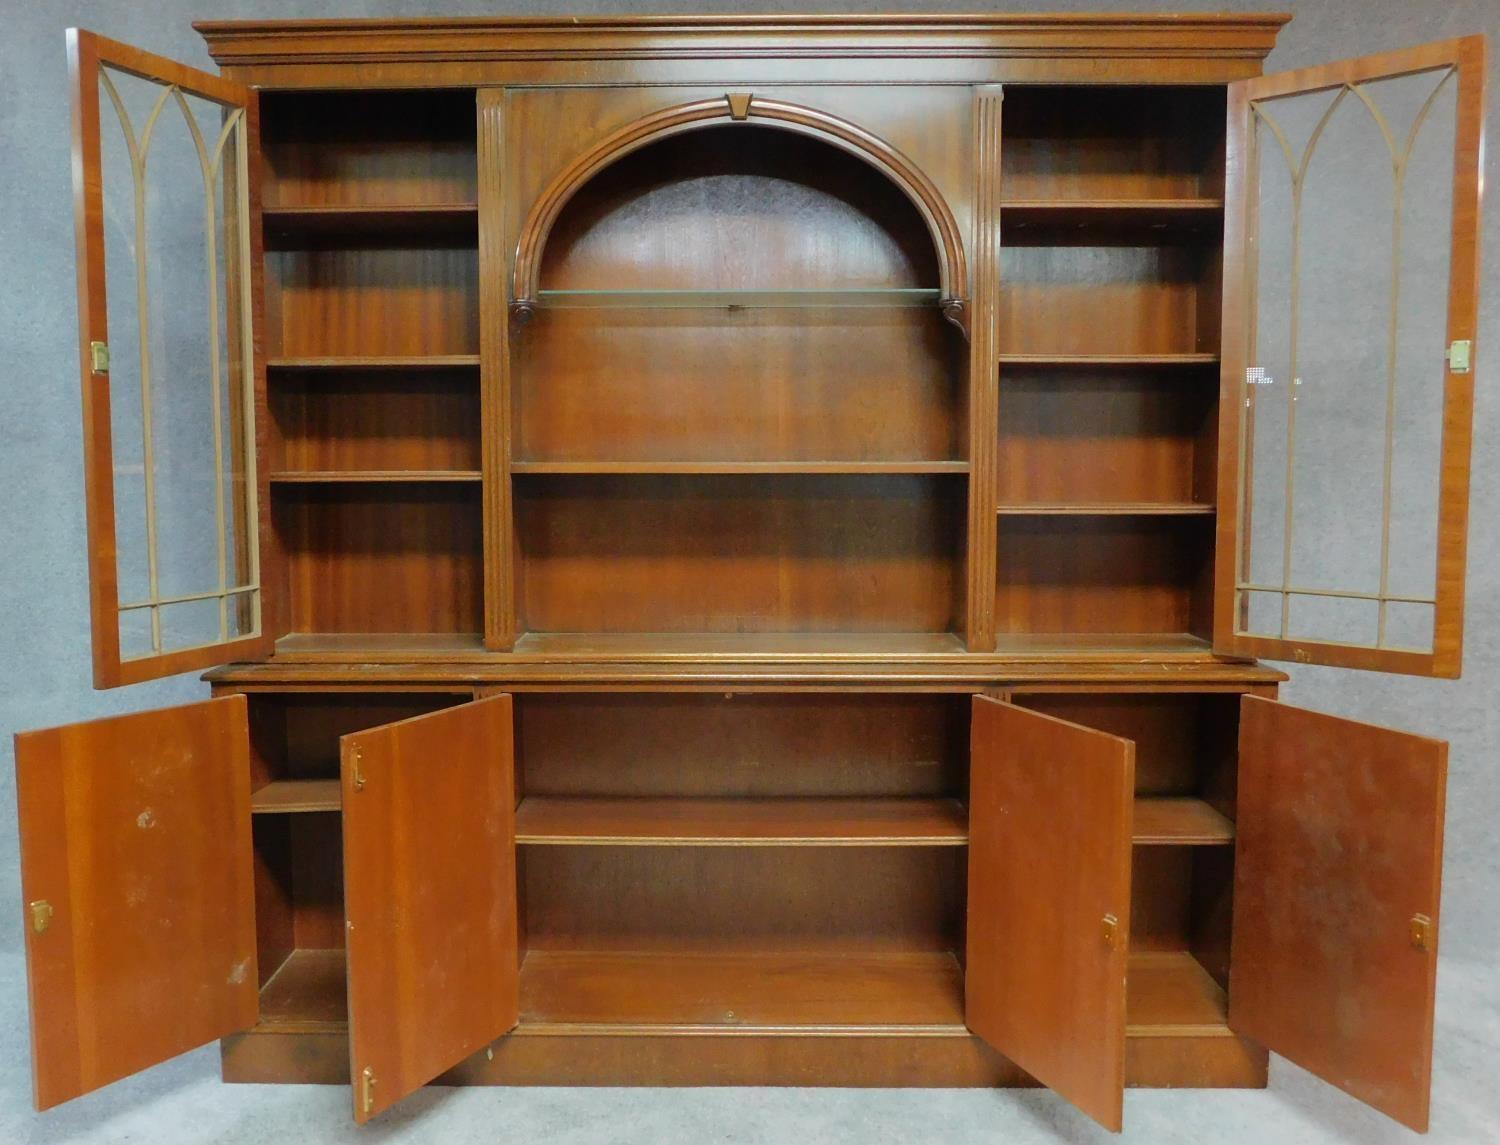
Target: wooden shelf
[1103,645]
[293,796]
[344,363]
[1086,218]
[722,467]
[1109,509]
[742,993]
[322,646]
[372,476]
[1113,361]
[742,822]
[413,224]
[735,645]
[1168,994]
[747,299]
[1172,820]
[308,991]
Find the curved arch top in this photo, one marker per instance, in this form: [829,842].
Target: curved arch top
[831,129]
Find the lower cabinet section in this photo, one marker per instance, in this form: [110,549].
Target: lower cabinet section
[610,1018]
[1085,886]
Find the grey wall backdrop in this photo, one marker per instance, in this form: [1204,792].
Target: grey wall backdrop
[44,669]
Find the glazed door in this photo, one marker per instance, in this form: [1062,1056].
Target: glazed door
[1351,283]
[1337,878]
[1050,816]
[136,874]
[167,221]
[429,896]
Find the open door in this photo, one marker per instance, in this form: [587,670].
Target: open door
[429,895]
[136,874]
[1351,287]
[168,231]
[1337,876]
[1050,816]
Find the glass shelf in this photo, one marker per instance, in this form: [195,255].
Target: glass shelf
[737,299]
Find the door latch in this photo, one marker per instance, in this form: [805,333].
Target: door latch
[1421,931]
[1109,930]
[41,915]
[367,1090]
[356,772]
[1460,355]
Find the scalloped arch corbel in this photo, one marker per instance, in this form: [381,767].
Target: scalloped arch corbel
[738,108]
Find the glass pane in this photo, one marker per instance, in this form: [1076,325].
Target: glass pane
[176,252]
[1344,397]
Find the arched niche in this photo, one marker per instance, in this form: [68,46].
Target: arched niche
[728,112]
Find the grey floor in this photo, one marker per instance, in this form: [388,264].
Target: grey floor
[184,1101]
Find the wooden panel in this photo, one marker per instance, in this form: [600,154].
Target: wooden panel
[1106,436]
[373,302]
[430,894]
[1073,574]
[1049,909]
[1141,299]
[740,554]
[1340,851]
[383,420]
[382,558]
[1100,142]
[755,899]
[137,875]
[741,822]
[742,993]
[747,745]
[327,149]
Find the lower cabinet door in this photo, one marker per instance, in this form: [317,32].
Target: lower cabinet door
[136,875]
[429,895]
[1337,879]
[1050,818]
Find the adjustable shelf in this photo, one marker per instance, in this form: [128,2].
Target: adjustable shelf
[296,796]
[1121,361]
[342,363]
[376,225]
[626,468]
[373,476]
[1179,821]
[738,299]
[1108,509]
[904,822]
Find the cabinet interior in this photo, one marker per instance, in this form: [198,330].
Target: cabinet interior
[756,860]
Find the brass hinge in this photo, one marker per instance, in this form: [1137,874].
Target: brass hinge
[367,1090]
[356,773]
[99,357]
[1460,356]
[41,915]
[1110,931]
[1421,931]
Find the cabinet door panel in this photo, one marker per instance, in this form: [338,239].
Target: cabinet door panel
[1350,307]
[136,873]
[168,233]
[1050,809]
[430,896]
[1337,878]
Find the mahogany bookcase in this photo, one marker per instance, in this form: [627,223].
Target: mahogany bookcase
[732,551]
